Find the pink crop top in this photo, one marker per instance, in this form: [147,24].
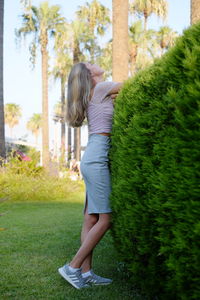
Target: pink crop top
[100,108]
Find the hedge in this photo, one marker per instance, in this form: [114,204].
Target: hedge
[155,165]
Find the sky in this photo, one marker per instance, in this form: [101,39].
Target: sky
[23,85]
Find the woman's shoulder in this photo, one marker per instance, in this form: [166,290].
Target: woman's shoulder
[103,88]
[104,85]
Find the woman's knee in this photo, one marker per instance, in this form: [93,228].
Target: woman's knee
[91,219]
[105,220]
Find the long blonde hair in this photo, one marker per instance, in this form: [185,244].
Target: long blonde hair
[78,94]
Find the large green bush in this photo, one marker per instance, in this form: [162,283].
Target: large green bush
[156,173]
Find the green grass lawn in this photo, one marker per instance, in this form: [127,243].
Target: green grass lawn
[41,236]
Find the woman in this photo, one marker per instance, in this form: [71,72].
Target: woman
[89,96]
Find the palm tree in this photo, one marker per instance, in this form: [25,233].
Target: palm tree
[26,3]
[2,129]
[142,44]
[166,38]
[147,7]
[57,112]
[195,11]
[57,118]
[96,19]
[136,35]
[42,23]
[60,71]
[105,59]
[79,29]
[12,115]
[63,63]
[34,125]
[143,60]
[151,44]
[120,40]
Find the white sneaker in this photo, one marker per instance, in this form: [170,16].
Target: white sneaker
[74,278]
[94,279]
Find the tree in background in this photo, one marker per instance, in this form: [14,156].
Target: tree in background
[96,19]
[105,59]
[2,129]
[63,63]
[195,11]
[136,34]
[57,117]
[166,38]
[34,125]
[12,113]
[143,47]
[147,44]
[146,8]
[42,23]
[26,3]
[120,40]
[78,30]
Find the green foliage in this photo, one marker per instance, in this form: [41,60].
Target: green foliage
[27,168]
[34,155]
[15,165]
[155,171]
[22,188]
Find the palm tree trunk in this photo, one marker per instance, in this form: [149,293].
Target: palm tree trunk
[195,11]
[63,120]
[145,30]
[55,142]
[76,52]
[45,110]
[2,128]
[69,142]
[145,20]
[78,152]
[133,55]
[36,138]
[92,54]
[77,132]
[77,143]
[120,40]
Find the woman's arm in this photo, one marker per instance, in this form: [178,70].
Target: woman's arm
[115,89]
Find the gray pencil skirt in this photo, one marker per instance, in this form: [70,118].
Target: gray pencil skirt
[96,174]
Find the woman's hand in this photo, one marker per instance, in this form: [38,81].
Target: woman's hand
[114,95]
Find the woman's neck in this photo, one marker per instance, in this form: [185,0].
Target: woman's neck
[97,79]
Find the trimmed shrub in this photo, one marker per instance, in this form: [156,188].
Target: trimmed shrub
[155,164]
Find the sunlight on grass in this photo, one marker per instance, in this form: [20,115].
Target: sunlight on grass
[22,188]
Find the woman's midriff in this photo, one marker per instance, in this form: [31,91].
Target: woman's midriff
[105,133]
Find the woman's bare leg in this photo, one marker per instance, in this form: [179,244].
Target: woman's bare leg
[94,235]
[89,222]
